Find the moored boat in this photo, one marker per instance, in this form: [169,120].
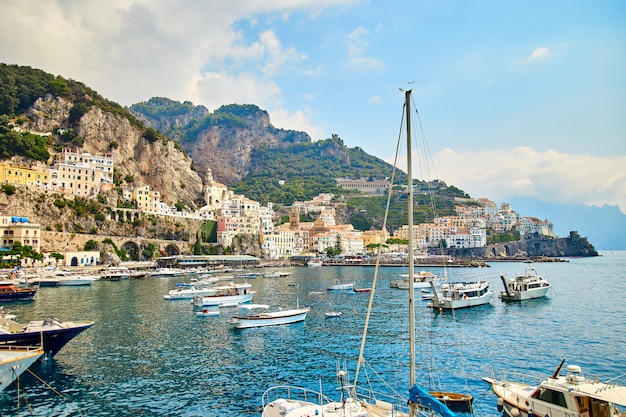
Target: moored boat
[338,286]
[232,294]
[67,278]
[460,294]
[15,360]
[259,315]
[314,262]
[524,287]
[570,395]
[115,273]
[421,279]
[54,333]
[11,292]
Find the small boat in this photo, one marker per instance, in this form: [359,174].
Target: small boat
[258,315]
[277,274]
[460,294]
[115,273]
[570,395]
[421,279]
[247,275]
[12,292]
[232,294]
[14,361]
[54,333]
[189,291]
[333,314]
[455,401]
[208,311]
[337,286]
[166,273]
[524,287]
[314,262]
[362,289]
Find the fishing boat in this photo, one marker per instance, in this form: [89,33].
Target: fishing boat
[456,295]
[361,399]
[338,286]
[569,395]
[229,295]
[259,315]
[14,361]
[524,287]
[421,279]
[11,292]
[54,333]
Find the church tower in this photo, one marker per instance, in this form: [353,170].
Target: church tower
[294,218]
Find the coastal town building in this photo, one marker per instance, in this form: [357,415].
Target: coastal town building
[365,186]
[14,175]
[17,229]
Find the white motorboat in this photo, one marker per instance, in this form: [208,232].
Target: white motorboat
[333,314]
[67,278]
[314,262]
[189,291]
[421,279]
[232,294]
[460,294]
[524,287]
[115,273]
[570,395]
[258,315]
[338,286]
[15,360]
[166,273]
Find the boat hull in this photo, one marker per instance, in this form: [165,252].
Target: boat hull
[270,319]
[13,362]
[226,300]
[53,339]
[21,295]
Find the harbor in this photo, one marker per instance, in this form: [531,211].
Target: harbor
[149,356]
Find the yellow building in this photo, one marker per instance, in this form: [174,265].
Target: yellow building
[23,176]
[19,229]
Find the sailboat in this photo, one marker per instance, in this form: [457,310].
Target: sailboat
[357,400]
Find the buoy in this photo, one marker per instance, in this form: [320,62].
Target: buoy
[515,412]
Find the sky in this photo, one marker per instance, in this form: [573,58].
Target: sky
[515,98]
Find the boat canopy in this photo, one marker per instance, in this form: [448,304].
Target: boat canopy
[17,219]
[418,395]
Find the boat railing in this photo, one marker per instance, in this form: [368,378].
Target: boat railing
[518,377]
[293,393]
[392,401]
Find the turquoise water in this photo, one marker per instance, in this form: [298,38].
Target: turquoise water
[147,356]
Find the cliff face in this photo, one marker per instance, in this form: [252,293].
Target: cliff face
[214,141]
[162,164]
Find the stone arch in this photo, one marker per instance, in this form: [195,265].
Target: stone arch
[172,250]
[74,261]
[132,249]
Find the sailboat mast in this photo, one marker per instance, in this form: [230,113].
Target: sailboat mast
[409,172]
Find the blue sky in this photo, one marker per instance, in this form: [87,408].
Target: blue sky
[516,98]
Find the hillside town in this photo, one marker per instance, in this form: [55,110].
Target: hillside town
[76,173]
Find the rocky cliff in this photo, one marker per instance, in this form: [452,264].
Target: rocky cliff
[222,141]
[161,164]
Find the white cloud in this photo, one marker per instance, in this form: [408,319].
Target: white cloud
[299,120]
[523,172]
[357,45]
[540,53]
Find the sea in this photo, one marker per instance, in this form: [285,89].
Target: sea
[147,356]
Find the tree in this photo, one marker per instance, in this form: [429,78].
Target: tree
[57,256]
